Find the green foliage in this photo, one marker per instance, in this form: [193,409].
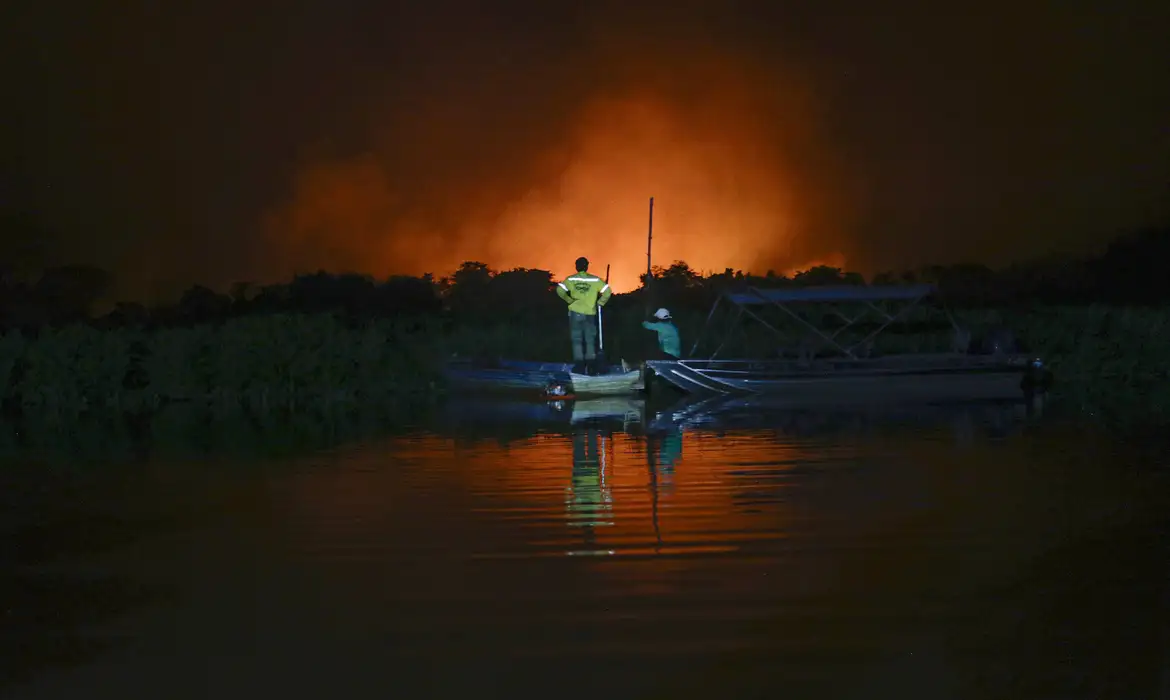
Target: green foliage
[289,359]
[262,361]
[1101,356]
[178,362]
[74,367]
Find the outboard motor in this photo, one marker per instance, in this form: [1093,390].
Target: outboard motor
[558,394]
[999,341]
[556,390]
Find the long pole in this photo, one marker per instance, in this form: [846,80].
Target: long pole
[600,330]
[651,462]
[649,269]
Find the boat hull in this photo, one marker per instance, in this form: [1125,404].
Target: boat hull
[511,375]
[926,379]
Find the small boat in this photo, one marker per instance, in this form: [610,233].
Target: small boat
[833,372]
[555,379]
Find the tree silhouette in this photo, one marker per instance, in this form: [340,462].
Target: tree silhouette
[468,294]
[202,305]
[1129,272]
[68,293]
[826,275]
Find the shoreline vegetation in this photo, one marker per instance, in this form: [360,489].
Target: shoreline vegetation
[350,340]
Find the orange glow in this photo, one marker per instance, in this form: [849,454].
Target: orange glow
[533,479]
[735,164]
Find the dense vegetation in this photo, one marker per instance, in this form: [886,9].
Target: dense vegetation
[349,339]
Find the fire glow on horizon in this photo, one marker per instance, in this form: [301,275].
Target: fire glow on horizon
[725,196]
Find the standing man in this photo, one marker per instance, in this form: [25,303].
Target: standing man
[584,292]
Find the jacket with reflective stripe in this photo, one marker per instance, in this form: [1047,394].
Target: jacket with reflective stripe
[584,292]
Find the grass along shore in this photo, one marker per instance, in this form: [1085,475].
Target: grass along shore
[1101,356]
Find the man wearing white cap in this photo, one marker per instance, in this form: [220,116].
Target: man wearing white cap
[669,343]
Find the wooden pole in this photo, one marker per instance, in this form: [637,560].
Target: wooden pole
[600,330]
[649,268]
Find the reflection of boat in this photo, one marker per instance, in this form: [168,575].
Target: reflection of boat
[616,407]
[849,372]
[479,410]
[516,375]
[484,411]
[776,413]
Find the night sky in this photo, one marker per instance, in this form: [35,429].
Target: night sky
[216,141]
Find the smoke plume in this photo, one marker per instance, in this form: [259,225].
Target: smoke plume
[515,176]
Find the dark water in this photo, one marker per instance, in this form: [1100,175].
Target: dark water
[685,551]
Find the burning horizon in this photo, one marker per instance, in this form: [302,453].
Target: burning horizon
[738,171]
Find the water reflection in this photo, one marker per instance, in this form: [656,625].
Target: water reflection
[963,420]
[590,499]
[590,502]
[664,448]
[950,552]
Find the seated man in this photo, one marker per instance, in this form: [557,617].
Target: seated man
[669,343]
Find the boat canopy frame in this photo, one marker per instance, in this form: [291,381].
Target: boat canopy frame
[868,296]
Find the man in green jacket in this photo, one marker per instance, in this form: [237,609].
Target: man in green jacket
[669,343]
[584,292]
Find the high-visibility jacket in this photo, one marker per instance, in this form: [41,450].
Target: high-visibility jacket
[584,292]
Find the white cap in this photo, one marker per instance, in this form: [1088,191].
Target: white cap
[662,313]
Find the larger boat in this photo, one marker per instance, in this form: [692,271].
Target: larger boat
[818,365]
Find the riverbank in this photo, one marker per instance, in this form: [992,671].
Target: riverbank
[1104,359]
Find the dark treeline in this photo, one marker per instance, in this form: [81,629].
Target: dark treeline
[349,339]
[1127,274]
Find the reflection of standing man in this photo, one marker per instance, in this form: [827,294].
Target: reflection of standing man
[589,500]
